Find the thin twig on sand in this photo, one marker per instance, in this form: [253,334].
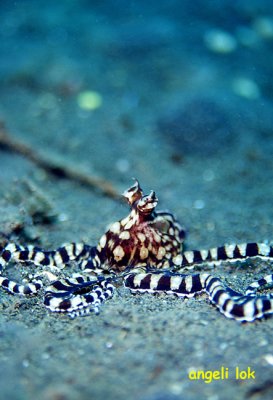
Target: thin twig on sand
[55,168]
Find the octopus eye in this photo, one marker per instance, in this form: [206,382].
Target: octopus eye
[134,193]
[147,204]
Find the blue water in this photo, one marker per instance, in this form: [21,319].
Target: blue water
[195,73]
[179,95]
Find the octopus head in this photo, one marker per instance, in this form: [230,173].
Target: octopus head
[144,238]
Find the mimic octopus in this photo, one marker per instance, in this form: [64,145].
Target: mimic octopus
[145,251]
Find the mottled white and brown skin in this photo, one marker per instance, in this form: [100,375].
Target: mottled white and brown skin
[143,238]
[144,250]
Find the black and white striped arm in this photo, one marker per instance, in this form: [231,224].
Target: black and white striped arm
[231,253]
[77,296]
[229,302]
[260,283]
[21,289]
[56,259]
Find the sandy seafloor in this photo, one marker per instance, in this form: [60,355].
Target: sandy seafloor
[190,121]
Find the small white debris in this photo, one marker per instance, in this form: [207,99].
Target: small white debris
[122,165]
[25,363]
[220,41]
[223,346]
[176,388]
[213,397]
[247,88]
[263,342]
[89,100]
[45,356]
[199,204]
[63,217]
[269,358]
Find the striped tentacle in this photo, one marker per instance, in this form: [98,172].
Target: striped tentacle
[29,254]
[167,282]
[254,286]
[55,258]
[92,264]
[244,308]
[78,296]
[16,288]
[229,302]
[231,253]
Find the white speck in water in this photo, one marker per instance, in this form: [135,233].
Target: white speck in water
[223,346]
[213,397]
[199,204]
[269,358]
[122,165]
[247,88]
[176,388]
[63,217]
[109,345]
[25,363]
[89,100]
[220,41]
